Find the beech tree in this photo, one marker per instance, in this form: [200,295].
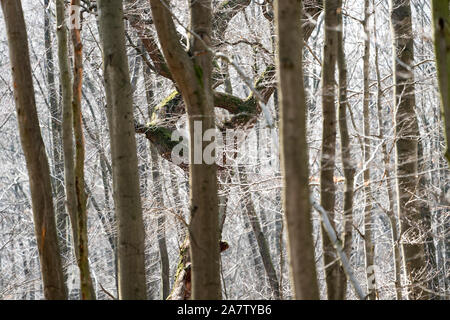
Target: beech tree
[127,198]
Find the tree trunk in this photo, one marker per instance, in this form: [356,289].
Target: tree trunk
[55,114]
[327,162]
[347,161]
[192,74]
[161,222]
[294,150]
[441,26]
[396,253]
[34,151]
[368,221]
[261,240]
[87,289]
[132,283]
[158,192]
[67,121]
[407,134]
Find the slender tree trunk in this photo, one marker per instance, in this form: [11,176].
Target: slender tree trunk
[387,172]
[161,222]
[294,150]
[132,284]
[261,240]
[55,114]
[441,27]
[87,289]
[34,151]
[192,74]
[67,122]
[347,161]
[407,134]
[368,221]
[158,192]
[327,162]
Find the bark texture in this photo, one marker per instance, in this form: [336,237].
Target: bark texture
[87,289]
[368,221]
[192,74]
[407,134]
[327,161]
[346,158]
[294,150]
[34,151]
[441,26]
[127,200]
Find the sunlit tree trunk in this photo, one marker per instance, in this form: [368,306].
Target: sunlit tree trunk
[368,221]
[34,151]
[294,150]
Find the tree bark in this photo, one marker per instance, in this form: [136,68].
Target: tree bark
[441,27]
[368,221]
[396,252]
[346,157]
[407,135]
[327,161]
[67,121]
[132,283]
[55,114]
[34,151]
[87,289]
[294,150]
[192,73]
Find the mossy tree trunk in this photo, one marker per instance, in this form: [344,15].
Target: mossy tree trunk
[192,73]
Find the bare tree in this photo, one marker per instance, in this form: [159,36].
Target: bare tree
[407,134]
[441,24]
[327,162]
[34,150]
[294,154]
[127,198]
[87,289]
[347,161]
[192,73]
